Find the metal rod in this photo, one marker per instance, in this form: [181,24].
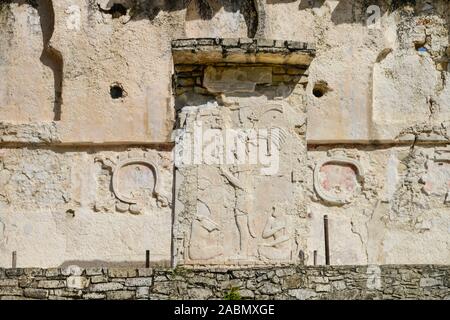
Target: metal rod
[327,240]
[315,257]
[147,259]
[14,260]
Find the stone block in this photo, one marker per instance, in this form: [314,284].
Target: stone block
[265,42]
[35,293]
[53,272]
[10,291]
[122,272]
[13,272]
[230,42]
[165,288]
[77,282]
[280,43]
[94,271]
[9,282]
[245,41]
[430,282]
[185,82]
[67,293]
[34,272]
[199,293]
[110,286]
[51,284]
[292,282]
[99,279]
[320,280]
[234,79]
[184,43]
[120,295]
[302,294]
[72,270]
[138,282]
[296,45]
[338,285]
[269,289]
[323,288]
[145,272]
[247,294]
[279,70]
[94,296]
[142,293]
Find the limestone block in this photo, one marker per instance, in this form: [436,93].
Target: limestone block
[302,294]
[110,286]
[9,283]
[138,282]
[51,284]
[120,295]
[77,282]
[35,293]
[217,79]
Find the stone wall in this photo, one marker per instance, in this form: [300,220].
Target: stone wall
[97,98]
[289,282]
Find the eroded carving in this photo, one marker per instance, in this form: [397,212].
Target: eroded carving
[244,208]
[134,181]
[205,235]
[338,180]
[437,178]
[276,245]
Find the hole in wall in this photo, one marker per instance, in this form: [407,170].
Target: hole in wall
[117,10]
[70,213]
[116,91]
[419,45]
[320,89]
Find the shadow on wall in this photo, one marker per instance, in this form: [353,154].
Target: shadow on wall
[253,11]
[196,9]
[50,57]
[350,11]
[207,9]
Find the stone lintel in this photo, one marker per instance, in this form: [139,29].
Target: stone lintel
[242,51]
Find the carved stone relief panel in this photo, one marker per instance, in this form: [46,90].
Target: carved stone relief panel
[338,180]
[437,178]
[134,184]
[241,212]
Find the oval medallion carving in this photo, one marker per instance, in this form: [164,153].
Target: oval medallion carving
[338,180]
[134,179]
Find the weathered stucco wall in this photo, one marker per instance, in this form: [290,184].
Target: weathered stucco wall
[96,102]
[61,206]
[288,283]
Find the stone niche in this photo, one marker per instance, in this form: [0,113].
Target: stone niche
[240,141]
[29,70]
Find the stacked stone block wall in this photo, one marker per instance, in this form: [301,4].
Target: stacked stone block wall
[288,282]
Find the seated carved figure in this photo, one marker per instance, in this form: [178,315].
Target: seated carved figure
[204,243]
[277,246]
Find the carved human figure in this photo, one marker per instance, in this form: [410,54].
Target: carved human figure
[204,242]
[243,183]
[275,231]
